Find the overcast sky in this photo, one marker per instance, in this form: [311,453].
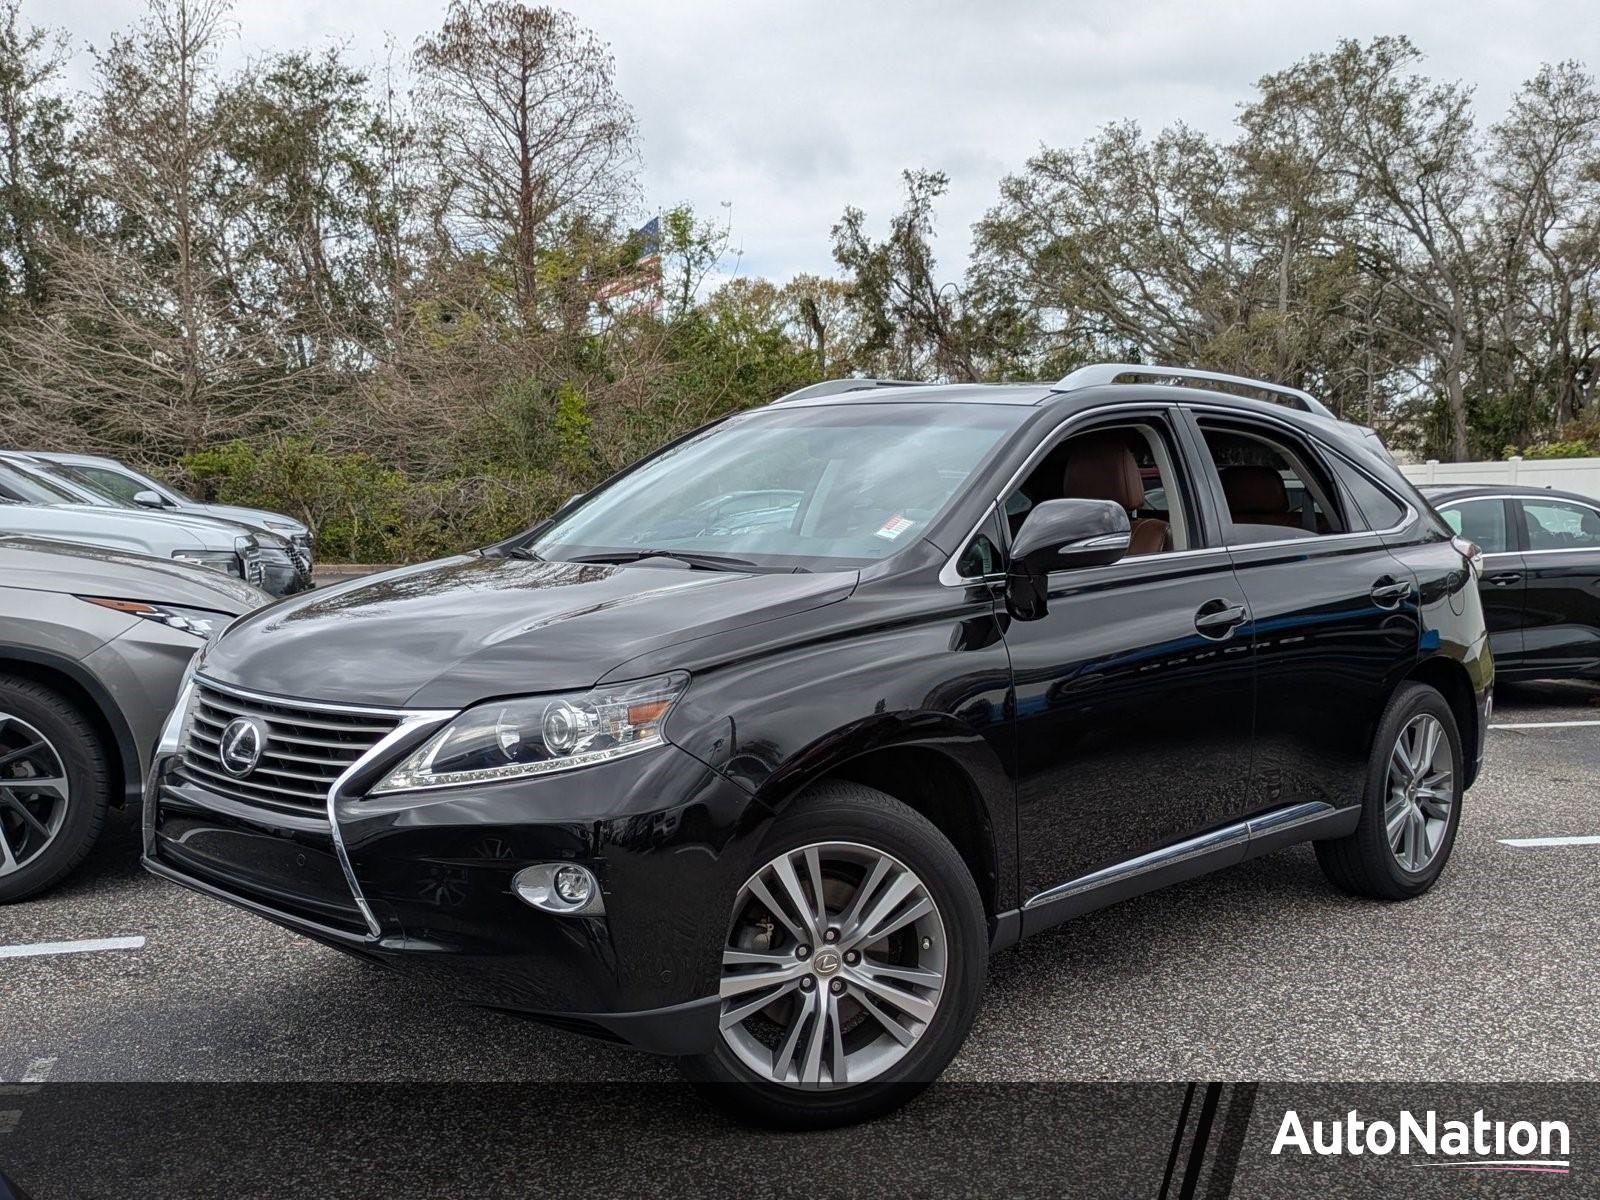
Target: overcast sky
[791,111]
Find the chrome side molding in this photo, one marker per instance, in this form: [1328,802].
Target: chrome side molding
[1191,857]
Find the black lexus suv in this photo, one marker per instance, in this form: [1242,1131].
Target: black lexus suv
[754,754]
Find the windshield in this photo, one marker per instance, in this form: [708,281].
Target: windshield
[31,489]
[819,488]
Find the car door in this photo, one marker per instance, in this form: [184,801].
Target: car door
[1489,522]
[1561,563]
[1132,724]
[1333,613]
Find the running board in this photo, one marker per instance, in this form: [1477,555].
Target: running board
[1188,859]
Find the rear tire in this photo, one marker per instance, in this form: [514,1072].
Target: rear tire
[1412,808]
[869,848]
[47,828]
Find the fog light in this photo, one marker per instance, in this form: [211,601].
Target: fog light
[574,884]
[563,888]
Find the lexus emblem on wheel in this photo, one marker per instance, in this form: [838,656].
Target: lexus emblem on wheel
[241,746]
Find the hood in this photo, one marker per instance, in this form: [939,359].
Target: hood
[41,565]
[451,633]
[201,532]
[255,517]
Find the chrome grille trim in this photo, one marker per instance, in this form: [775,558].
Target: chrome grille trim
[380,732]
[306,751]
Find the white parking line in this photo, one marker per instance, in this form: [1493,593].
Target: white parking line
[116,943]
[1551,841]
[38,1071]
[1544,725]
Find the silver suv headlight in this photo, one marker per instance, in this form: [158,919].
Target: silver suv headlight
[218,560]
[539,735]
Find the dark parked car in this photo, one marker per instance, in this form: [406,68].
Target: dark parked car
[768,795]
[1541,574]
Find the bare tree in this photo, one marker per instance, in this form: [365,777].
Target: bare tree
[530,128]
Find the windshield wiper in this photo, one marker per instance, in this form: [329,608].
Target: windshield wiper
[709,562]
[521,552]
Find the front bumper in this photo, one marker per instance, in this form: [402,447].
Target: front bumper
[283,575]
[666,836]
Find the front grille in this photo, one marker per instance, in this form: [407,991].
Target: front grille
[306,750]
[252,568]
[300,547]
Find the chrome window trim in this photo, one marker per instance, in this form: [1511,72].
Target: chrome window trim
[411,720]
[1409,514]
[950,577]
[1537,498]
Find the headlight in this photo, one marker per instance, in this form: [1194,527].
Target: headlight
[217,560]
[200,622]
[537,735]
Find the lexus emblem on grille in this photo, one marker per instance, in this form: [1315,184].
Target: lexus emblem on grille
[242,743]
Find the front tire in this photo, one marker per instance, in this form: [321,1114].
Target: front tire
[1412,805]
[841,1010]
[54,787]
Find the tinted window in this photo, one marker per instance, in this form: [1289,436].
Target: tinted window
[1557,525]
[1273,487]
[1381,510]
[804,486]
[1479,521]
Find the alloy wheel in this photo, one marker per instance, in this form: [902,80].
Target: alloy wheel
[1421,792]
[834,966]
[33,793]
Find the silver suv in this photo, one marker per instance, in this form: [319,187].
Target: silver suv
[122,482]
[285,568]
[34,507]
[93,646]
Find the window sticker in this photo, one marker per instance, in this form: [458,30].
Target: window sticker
[894,527]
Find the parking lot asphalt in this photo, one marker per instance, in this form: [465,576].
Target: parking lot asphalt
[1261,972]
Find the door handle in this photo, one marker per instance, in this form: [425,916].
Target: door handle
[1506,578]
[1218,619]
[1388,591]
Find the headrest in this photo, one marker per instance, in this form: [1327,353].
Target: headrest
[1101,467]
[1252,489]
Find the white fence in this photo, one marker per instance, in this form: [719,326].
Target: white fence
[1581,475]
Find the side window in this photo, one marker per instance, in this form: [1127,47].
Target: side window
[982,555]
[1275,489]
[1381,510]
[1558,525]
[1134,464]
[1479,521]
[113,483]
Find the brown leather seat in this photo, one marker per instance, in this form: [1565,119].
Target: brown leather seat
[1101,467]
[1256,496]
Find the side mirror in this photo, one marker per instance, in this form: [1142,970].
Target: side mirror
[148,499]
[1059,535]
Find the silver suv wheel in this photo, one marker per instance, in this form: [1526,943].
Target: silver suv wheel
[834,966]
[33,793]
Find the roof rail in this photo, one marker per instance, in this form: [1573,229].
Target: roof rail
[835,387]
[1102,373]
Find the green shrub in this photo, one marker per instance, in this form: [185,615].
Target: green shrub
[364,511]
